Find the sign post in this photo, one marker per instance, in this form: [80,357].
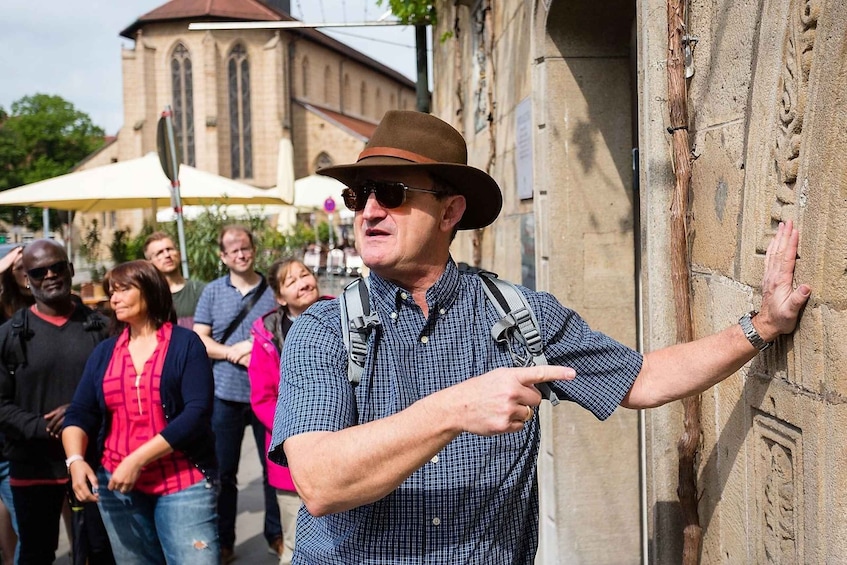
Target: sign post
[168,157]
[329,208]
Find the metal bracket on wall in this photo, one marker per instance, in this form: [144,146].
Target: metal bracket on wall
[689,42]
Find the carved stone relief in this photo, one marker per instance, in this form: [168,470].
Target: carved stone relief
[797,54]
[779,490]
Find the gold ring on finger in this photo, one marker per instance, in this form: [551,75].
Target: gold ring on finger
[529,413]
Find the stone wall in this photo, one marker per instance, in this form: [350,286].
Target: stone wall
[767,124]
[574,232]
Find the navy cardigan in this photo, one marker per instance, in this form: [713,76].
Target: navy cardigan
[187,391]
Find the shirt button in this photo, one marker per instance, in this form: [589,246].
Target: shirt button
[436,521]
[404,296]
[424,339]
[393,315]
[442,311]
[434,459]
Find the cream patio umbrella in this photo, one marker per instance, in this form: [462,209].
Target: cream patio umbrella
[310,193]
[136,183]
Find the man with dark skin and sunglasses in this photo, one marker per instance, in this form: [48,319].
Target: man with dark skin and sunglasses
[431,458]
[41,365]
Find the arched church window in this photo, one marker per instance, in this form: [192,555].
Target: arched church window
[305,77]
[327,83]
[240,130]
[182,96]
[345,94]
[323,160]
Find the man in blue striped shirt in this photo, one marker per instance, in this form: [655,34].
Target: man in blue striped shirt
[431,458]
[227,308]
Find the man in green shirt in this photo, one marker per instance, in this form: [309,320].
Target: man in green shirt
[159,249]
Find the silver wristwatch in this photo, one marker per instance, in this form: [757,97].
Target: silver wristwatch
[750,332]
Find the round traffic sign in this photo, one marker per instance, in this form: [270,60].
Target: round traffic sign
[329,205]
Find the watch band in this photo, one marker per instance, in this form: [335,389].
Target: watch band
[750,332]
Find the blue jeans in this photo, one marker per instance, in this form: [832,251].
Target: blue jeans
[175,528]
[6,497]
[228,422]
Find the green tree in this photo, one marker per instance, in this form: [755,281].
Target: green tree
[44,136]
[412,11]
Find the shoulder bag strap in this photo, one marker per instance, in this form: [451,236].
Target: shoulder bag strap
[245,309]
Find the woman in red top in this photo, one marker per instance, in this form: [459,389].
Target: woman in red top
[150,391]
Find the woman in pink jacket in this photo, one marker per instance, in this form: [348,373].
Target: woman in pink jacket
[295,288]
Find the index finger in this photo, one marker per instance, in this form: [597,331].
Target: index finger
[544,374]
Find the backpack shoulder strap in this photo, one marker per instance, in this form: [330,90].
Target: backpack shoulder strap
[14,352]
[356,324]
[516,320]
[94,322]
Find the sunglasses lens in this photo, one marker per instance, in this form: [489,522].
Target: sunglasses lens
[37,273]
[390,194]
[57,269]
[354,198]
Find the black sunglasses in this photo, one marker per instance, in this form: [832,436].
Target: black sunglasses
[37,274]
[388,194]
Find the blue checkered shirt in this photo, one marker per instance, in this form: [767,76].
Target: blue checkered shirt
[477,501]
[219,304]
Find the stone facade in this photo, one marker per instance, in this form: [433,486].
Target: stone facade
[321,95]
[767,123]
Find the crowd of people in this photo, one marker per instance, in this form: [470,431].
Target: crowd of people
[429,456]
[132,425]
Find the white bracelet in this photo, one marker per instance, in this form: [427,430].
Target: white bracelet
[73,459]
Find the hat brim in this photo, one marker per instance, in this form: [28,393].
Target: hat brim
[482,194]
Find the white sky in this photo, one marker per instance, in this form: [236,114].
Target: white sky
[72,48]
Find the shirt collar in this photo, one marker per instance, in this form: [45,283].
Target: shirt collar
[386,296]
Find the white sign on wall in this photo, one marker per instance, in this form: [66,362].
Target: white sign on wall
[523,148]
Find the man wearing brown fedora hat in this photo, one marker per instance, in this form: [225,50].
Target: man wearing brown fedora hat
[431,457]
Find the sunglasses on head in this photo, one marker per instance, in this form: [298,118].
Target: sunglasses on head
[388,194]
[37,274]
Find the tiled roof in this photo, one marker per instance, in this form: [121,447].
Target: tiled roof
[360,128]
[251,10]
[226,10]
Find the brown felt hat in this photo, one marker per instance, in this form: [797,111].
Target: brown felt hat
[418,141]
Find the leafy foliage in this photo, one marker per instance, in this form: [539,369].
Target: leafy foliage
[44,136]
[89,249]
[135,245]
[412,11]
[201,241]
[119,247]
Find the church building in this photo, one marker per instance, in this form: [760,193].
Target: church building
[236,95]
